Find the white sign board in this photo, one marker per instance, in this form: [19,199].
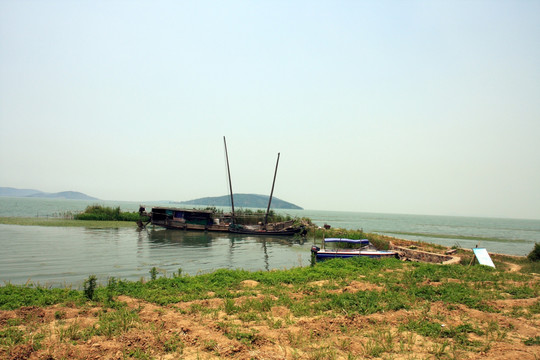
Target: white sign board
[483,257]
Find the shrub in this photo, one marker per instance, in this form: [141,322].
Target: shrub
[90,287]
[106,213]
[534,255]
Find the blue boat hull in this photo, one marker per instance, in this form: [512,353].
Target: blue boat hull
[321,255]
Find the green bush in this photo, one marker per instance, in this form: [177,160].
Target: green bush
[251,217]
[106,213]
[534,255]
[90,287]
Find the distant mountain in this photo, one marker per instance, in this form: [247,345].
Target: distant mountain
[70,195]
[12,192]
[243,200]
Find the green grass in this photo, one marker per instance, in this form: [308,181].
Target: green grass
[472,286]
[314,292]
[15,296]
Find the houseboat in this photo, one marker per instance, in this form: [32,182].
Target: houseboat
[189,219]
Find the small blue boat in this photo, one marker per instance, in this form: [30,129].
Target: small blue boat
[365,249]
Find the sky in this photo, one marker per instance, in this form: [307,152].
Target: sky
[411,107]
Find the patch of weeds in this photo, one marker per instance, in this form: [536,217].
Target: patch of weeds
[11,337]
[424,327]
[362,302]
[36,341]
[379,342]
[210,345]
[373,349]
[245,337]
[522,292]
[195,308]
[174,344]
[230,307]
[532,341]
[494,332]
[323,353]
[407,341]
[248,316]
[137,353]
[296,339]
[72,332]
[233,331]
[459,333]
[116,322]
[59,315]
[517,311]
[265,305]
[345,344]
[302,308]
[14,322]
[16,296]
[535,308]
[275,324]
[439,350]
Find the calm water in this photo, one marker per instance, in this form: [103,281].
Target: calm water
[58,256]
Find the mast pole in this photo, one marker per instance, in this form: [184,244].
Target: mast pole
[230,183]
[271,193]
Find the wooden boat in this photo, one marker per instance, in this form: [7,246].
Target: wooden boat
[192,219]
[273,229]
[365,249]
[269,229]
[206,220]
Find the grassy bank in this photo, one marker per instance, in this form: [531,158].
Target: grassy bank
[338,309]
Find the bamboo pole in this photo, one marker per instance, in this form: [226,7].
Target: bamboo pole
[271,193]
[230,182]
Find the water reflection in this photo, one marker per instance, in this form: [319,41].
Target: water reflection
[206,239]
[181,237]
[57,256]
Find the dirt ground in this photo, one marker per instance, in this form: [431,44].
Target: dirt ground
[204,330]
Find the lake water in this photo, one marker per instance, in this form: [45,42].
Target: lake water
[58,256]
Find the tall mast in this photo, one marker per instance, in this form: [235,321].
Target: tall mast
[230,183]
[271,193]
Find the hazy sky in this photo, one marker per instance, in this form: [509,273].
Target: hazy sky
[423,107]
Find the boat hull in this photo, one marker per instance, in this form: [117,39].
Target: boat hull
[290,232]
[322,254]
[344,255]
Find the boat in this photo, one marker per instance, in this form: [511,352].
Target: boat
[287,228]
[189,219]
[208,220]
[364,248]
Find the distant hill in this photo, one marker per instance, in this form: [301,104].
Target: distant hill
[70,195]
[12,192]
[243,200]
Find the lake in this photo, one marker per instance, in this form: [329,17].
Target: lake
[58,256]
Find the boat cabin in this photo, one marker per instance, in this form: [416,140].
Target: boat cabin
[188,219]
